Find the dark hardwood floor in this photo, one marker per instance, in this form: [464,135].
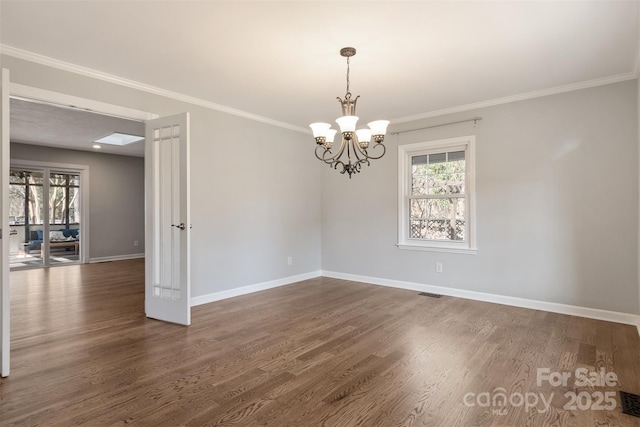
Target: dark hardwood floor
[323,352]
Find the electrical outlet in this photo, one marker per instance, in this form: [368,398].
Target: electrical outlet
[439,267]
[289,260]
[136,243]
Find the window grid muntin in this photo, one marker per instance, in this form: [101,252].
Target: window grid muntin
[453,167]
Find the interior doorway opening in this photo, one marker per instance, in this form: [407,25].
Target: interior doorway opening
[49,187]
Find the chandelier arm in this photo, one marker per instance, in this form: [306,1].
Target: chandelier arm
[343,145]
[333,162]
[326,150]
[363,162]
[339,162]
[356,167]
[330,160]
[374,157]
[357,149]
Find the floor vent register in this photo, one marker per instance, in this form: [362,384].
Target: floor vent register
[427,294]
[630,404]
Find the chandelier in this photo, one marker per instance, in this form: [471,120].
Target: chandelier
[355,143]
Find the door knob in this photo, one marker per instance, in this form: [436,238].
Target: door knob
[180,226]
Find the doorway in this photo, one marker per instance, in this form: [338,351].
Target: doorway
[179,140]
[53,148]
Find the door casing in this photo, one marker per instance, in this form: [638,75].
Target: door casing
[8,89]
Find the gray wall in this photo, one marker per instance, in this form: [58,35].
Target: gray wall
[255,200]
[255,194]
[557,204]
[116,196]
[557,198]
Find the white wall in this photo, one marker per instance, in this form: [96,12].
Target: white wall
[116,196]
[255,187]
[557,204]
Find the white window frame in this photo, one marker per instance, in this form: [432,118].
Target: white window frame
[405,153]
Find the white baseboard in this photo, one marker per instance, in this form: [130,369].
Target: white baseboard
[230,293]
[115,258]
[591,313]
[573,310]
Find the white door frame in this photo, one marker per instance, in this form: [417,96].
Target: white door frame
[68,101]
[83,170]
[63,100]
[5,303]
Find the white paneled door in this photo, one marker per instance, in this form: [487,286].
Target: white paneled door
[167,265]
[5,329]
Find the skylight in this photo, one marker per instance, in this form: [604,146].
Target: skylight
[119,139]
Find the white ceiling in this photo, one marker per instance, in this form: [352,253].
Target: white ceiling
[280,60]
[40,124]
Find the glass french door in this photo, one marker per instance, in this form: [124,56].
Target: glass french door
[44,217]
[26,217]
[64,217]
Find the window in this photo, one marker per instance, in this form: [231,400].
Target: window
[436,203]
[64,203]
[26,199]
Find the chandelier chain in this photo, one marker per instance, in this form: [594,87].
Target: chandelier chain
[348,95]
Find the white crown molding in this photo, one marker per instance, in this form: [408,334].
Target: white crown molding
[521,97]
[572,310]
[89,72]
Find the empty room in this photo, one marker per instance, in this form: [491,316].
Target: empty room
[320,213]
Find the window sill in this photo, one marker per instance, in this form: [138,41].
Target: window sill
[446,249]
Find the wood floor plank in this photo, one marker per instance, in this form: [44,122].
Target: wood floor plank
[323,352]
